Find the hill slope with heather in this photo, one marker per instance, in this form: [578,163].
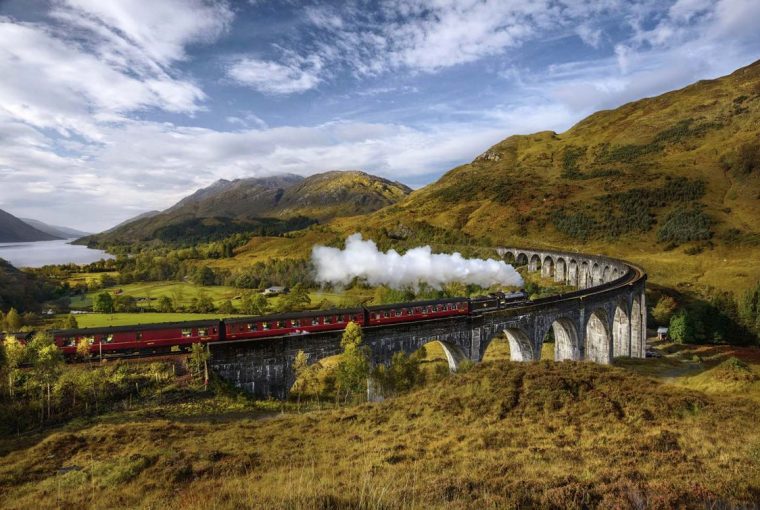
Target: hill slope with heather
[270,204]
[672,182]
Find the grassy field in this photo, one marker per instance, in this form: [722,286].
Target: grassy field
[148,294]
[562,435]
[93,320]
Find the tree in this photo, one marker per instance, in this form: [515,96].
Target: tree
[70,322]
[353,367]
[13,320]
[47,364]
[664,310]
[204,275]
[254,304]
[227,308]
[199,356]
[14,354]
[83,349]
[297,299]
[103,303]
[125,304]
[204,304]
[165,305]
[300,367]
[682,328]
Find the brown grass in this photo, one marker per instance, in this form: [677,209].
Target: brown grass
[562,435]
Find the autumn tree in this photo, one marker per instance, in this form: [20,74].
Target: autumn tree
[664,309]
[13,321]
[48,361]
[300,369]
[198,362]
[14,353]
[353,367]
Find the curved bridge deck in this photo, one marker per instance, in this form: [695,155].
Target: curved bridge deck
[603,319]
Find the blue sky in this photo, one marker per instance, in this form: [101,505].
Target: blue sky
[112,108]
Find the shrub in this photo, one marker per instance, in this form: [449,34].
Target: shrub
[664,309]
[682,328]
[683,225]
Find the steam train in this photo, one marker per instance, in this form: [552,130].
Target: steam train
[144,339]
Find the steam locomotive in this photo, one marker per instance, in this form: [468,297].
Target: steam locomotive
[157,338]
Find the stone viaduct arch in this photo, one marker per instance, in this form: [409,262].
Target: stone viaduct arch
[602,319]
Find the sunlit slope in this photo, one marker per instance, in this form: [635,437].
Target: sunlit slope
[504,435]
[279,203]
[672,182]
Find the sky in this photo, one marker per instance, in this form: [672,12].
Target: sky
[112,108]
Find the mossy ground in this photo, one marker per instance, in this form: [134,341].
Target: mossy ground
[562,435]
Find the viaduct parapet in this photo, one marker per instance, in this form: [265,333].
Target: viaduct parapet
[605,318]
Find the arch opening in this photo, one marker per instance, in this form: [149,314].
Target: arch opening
[560,272]
[572,274]
[638,335]
[521,260]
[547,268]
[598,338]
[584,275]
[535,263]
[566,346]
[520,346]
[606,274]
[621,333]
[596,274]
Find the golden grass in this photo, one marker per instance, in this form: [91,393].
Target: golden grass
[570,435]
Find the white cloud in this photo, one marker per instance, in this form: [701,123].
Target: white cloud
[297,75]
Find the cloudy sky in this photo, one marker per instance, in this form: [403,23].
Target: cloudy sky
[112,108]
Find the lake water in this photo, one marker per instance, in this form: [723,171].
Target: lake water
[43,253]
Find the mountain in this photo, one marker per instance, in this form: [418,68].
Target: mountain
[672,182]
[13,230]
[141,216]
[55,230]
[266,205]
[678,168]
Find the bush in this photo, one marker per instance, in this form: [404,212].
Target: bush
[683,225]
[664,309]
[682,328]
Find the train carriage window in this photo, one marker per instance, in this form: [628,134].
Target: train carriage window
[280,324]
[202,331]
[265,326]
[342,318]
[138,335]
[108,339]
[430,309]
[69,341]
[327,320]
[295,323]
[459,306]
[385,314]
[186,332]
[252,327]
[393,313]
[440,308]
[315,321]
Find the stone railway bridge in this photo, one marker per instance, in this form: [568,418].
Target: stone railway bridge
[603,319]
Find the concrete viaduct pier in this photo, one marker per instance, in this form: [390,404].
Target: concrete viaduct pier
[605,318]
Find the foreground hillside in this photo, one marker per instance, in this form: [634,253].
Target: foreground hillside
[561,435]
[264,205]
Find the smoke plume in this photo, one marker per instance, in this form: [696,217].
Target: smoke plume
[362,259]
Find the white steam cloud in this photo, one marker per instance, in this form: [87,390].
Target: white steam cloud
[362,259]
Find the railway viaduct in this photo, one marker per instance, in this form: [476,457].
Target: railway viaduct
[603,319]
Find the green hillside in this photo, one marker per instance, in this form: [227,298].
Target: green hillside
[672,182]
[270,205]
